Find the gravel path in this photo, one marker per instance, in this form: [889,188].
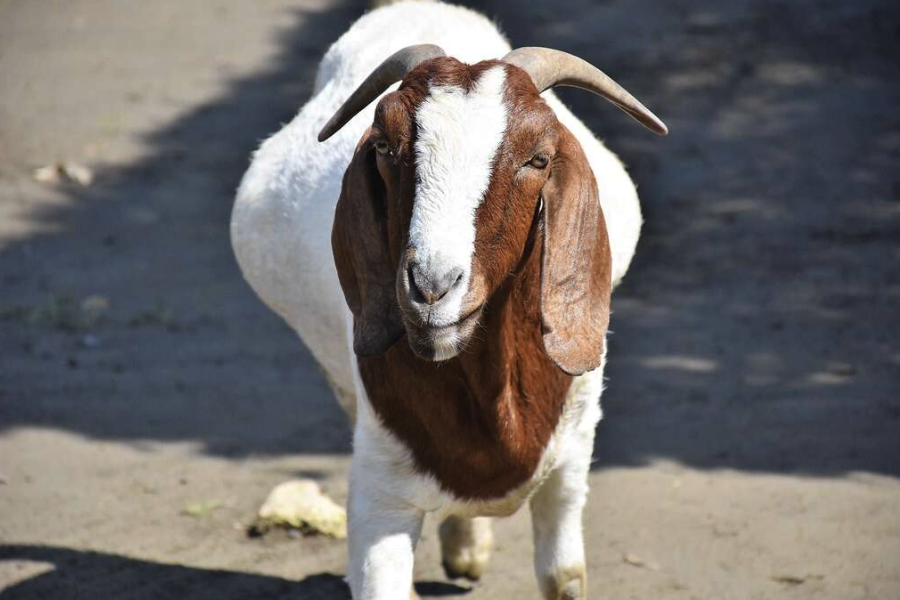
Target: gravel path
[751,444]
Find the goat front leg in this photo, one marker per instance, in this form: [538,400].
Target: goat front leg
[466,546]
[382,536]
[558,539]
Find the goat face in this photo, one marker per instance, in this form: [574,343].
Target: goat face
[441,203]
[460,212]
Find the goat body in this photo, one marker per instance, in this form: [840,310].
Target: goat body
[475,436]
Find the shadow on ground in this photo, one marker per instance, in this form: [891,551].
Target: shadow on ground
[186,351]
[756,329]
[752,329]
[84,574]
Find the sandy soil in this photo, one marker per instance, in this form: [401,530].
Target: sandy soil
[751,445]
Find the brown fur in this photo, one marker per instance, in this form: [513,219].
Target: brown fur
[539,291]
[362,256]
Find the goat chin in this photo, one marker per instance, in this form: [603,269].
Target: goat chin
[444,346]
[441,343]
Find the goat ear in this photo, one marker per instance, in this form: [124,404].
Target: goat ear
[576,263]
[359,242]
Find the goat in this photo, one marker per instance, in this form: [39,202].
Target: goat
[463,213]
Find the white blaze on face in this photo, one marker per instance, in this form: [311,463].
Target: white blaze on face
[458,136]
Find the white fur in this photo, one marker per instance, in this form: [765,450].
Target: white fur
[281,227]
[458,136]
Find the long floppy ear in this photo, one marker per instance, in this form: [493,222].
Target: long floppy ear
[576,263]
[360,245]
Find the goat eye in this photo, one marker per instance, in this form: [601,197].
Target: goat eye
[539,161]
[382,147]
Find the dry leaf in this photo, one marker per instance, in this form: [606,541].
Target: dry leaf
[64,171]
[203,508]
[792,580]
[95,305]
[636,561]
[48,174]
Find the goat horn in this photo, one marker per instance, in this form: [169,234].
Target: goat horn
[549,68]
[392,70]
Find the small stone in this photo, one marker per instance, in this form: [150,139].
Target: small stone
[90,341]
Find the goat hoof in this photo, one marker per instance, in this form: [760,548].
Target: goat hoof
[568,584]
[466,547]
[465,566]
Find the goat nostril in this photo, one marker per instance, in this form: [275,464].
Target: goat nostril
[454,278]
[420,286]
[414,291]
[430,289]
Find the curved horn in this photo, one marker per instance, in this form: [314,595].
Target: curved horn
[392,70]
[549,68]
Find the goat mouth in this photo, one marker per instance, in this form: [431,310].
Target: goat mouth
[436,343]
[470,317]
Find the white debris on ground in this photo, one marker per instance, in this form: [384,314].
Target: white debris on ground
[300,504]
[64,171]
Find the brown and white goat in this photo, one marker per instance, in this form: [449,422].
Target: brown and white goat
[471,246]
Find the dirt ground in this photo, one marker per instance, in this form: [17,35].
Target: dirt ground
[751,443]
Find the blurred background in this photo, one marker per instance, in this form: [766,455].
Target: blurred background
[751,440]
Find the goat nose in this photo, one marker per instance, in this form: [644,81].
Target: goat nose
[431,285]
